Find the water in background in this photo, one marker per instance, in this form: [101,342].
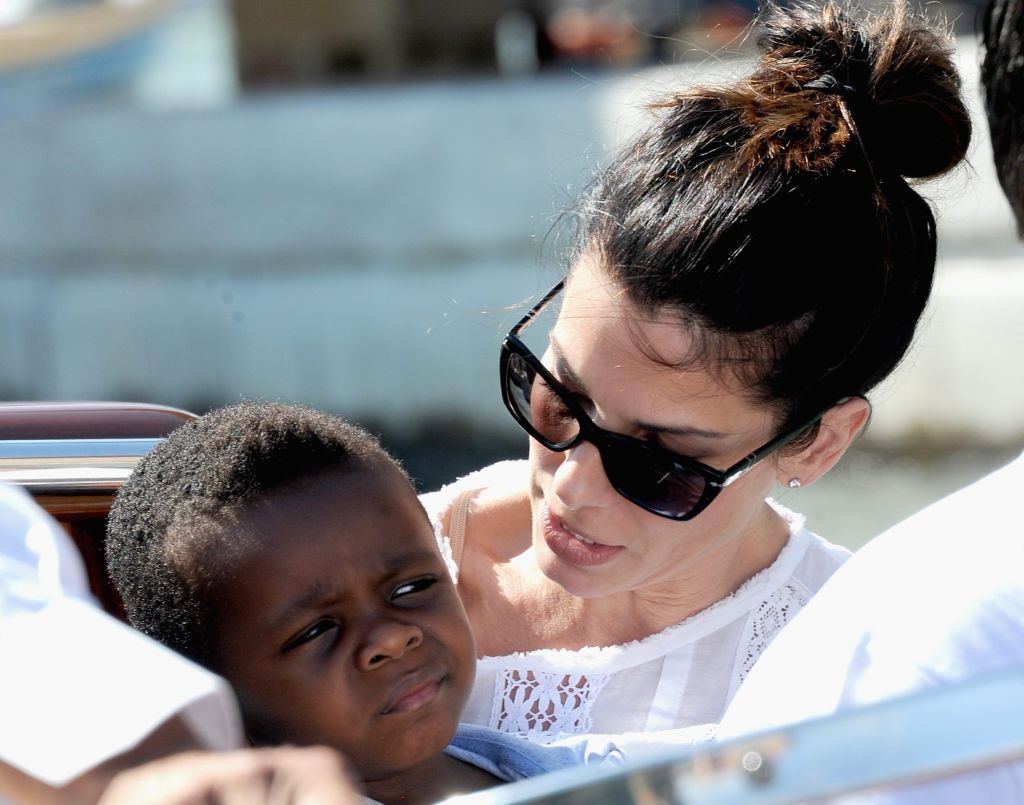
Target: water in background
[356,249]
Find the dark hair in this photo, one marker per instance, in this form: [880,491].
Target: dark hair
[1002,78]
[169,529]
[772,214]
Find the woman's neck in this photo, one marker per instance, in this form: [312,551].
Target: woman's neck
[433,781]
[536,612]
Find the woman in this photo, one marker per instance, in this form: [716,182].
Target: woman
[743,274]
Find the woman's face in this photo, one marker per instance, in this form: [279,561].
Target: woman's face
[587,537]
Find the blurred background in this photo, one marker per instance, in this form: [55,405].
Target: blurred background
[346,202]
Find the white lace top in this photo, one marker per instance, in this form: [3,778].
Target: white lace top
[683,676]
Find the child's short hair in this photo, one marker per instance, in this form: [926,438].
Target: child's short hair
[165,536]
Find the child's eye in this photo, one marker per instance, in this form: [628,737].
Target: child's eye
[320,627]
[412,587]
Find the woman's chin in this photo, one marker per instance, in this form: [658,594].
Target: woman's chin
[582,582]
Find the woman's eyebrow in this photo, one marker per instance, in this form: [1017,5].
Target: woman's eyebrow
[570,378]
[680,431]
[565,372]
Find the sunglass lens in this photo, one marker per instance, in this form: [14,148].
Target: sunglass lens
[642,473]
[537,405]
[651,481]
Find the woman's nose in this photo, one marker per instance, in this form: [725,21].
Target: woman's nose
[387,640]
[579,480]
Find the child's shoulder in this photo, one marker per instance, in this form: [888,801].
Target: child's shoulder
[511,757]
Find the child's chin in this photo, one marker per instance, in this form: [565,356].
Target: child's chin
[415,745]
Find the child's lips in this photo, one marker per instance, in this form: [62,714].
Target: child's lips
[414,691]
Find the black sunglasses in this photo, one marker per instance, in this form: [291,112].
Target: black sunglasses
[655,479]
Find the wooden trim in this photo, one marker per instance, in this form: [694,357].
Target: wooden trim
[73,457]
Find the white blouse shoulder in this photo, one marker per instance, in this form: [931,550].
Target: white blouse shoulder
[682,676]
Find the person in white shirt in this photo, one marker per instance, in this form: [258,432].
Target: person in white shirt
[742,274]
[938,599]
[89,704]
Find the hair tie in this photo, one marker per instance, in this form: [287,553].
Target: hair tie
[830,85]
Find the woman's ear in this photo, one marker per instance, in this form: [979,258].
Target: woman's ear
[840,426]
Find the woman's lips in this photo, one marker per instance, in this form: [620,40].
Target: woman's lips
[413,695]
[576,549]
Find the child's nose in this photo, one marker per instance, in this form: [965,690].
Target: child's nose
[387,640]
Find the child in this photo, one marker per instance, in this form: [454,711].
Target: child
[287,551]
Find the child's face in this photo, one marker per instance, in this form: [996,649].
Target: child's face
[342,626]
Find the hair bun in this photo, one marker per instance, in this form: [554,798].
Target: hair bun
[888,79]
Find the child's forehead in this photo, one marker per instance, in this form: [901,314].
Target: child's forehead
[314,545]
[375,508]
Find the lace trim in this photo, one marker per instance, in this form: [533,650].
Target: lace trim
[544,706]
[775,612]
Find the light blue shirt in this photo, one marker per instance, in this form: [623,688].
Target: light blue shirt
[509,757]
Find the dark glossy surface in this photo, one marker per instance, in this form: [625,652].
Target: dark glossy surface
[88,420]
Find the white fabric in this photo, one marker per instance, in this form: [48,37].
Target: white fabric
[37,561]
[683,676]
[77,687]
[936,600]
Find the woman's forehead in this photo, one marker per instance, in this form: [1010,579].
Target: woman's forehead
[608,344]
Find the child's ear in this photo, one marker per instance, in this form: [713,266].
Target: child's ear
[840,426]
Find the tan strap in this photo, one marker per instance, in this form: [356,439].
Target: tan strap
[457,523]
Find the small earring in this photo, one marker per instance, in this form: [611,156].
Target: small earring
[794,483]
